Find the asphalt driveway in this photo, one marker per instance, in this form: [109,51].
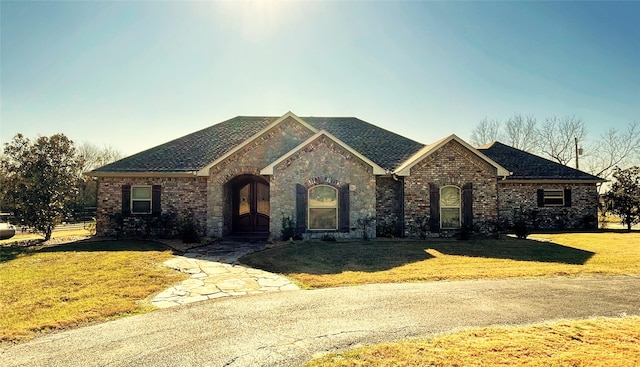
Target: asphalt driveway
[290,328]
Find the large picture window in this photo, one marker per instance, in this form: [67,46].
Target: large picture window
[323,207]
[450,207]
[141,199]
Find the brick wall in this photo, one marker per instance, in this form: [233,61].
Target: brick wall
[389,199]
[452,164]
[323,161]
[582,214]
[178,195]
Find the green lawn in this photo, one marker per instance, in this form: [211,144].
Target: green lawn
[49,288]
[317,264]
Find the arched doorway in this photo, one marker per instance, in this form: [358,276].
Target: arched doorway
[250,204]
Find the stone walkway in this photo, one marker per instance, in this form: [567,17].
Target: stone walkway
[216,273]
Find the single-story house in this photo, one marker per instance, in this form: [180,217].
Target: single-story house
[337,176]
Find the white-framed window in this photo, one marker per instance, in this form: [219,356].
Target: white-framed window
[323,207]
[553,198]
[450,207]
[141,199]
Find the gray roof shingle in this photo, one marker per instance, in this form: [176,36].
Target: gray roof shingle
[527,166]
[194,151]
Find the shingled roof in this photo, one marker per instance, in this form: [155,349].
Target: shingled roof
[527,166]
[194,151]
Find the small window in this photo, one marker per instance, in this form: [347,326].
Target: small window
[141,199]
[450,207]
[553,198]
[323,208]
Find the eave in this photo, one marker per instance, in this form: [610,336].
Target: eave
[148,174]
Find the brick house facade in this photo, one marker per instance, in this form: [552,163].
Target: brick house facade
[332,176]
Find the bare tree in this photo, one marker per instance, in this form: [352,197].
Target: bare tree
[95,157]
[557,137]
[485,132]
[615,148]
[521,132]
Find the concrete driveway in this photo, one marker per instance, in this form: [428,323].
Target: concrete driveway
[290,328]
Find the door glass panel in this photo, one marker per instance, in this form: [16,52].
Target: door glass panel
[244,207]
[263,198]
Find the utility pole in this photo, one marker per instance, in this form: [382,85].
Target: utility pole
[577,165]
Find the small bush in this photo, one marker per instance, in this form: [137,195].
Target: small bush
[364,225]
[189,228]
[328,238]
[387,229]
[421,226]
[520,226]
[288,228]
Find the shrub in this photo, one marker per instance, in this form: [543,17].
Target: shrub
[288,228]
[421,226]
[364,224]
[328,238]
[189,228]
[520,226]
[387,229]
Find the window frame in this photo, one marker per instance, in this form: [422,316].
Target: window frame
[133,199]
[546,195]
[310,207]
[449,207]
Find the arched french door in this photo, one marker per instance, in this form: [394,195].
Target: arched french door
[250,204]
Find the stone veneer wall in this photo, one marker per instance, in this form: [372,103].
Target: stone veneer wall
[452,164]
[389,217]
[323,161]
[248,160]
[178,195]
[582,214]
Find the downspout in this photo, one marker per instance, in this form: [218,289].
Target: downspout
[395,178]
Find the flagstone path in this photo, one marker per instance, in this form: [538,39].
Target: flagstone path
[216,273]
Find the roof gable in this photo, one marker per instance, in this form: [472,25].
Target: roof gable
[205,170]
[377,170]
[405,168]
[530,167]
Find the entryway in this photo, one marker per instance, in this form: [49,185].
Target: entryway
[250,205]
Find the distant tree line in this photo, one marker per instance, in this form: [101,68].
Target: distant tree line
[42,181]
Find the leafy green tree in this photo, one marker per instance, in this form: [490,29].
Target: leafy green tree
[623,199]
[39,178]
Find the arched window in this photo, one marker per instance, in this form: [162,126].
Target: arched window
[450,207]
[323,207]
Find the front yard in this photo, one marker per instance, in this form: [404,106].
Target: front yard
[48,288]
[317,264]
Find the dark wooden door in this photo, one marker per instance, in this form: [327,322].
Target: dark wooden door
[251,206]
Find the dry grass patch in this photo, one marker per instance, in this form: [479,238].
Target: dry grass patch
[56,287]
[596,342]
[316,264]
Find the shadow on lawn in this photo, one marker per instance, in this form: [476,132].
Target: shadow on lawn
[372,256]
[514,249]
[9,253]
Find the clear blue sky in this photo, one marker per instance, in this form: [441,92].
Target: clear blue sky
[133,75]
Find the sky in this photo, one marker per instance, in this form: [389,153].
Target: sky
[133,75]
